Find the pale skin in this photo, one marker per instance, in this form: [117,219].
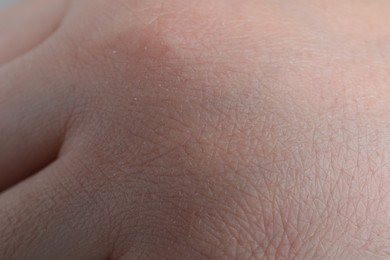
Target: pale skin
[171,129]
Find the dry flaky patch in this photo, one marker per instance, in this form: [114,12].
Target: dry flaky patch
[226,134]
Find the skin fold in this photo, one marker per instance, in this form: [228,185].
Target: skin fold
[169,129]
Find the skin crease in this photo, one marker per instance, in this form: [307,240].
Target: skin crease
[197,130]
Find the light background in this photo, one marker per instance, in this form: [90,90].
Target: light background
[4,3]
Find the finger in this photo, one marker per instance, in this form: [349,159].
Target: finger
[52,216]
[25,25]
[34,110]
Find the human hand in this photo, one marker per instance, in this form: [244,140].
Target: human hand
[195,130]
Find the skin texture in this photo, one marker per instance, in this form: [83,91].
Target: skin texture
[169,129]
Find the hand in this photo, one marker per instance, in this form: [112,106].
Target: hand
[195,130]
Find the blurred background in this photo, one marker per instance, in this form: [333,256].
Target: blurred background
[4,3]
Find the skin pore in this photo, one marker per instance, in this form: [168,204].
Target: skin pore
[251,129]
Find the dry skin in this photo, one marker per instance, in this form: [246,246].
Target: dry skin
[173,129]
